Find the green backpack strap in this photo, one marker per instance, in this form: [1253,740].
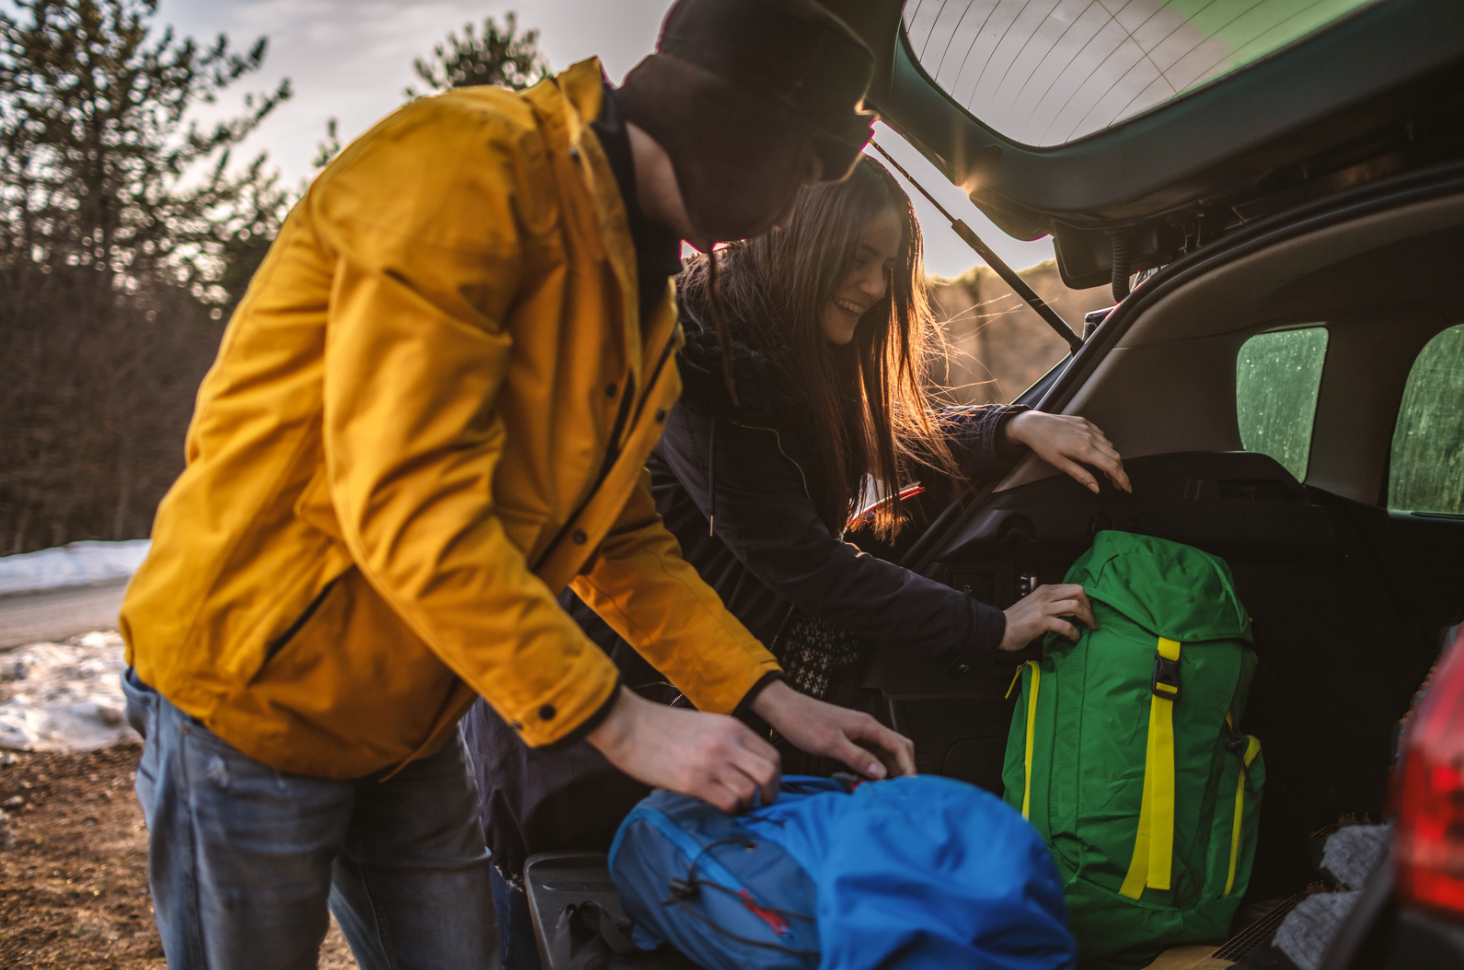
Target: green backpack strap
[1242,782]
[1153,857]
[1031,724]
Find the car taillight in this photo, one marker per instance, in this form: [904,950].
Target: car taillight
[1430,795]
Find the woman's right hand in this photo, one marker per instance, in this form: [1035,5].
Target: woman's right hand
[1046,610]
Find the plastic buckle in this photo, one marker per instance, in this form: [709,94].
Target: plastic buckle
[682,890]
[1165,682]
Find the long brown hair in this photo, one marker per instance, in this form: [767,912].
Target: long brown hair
[870,411]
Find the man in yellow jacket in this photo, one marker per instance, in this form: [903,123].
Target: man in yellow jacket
[428,416]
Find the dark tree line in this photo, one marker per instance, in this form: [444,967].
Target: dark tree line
[127,235]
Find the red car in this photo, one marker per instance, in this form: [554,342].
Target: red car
[1412,913]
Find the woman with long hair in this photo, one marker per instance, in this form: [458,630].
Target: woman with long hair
[814,391]
[804,384]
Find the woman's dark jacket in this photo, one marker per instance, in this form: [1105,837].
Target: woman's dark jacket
[735,485]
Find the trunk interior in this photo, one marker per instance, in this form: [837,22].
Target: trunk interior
[1349,599]
[1349,604]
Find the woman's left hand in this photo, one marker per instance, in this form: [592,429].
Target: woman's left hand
[1067,443]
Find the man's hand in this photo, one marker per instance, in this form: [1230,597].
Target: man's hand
[1042,611]
[1067,443]
[835,732]
[708,756]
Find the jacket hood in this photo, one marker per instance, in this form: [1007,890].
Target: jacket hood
[768,388]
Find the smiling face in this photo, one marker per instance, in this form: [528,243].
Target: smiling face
[867,280]
[843,286]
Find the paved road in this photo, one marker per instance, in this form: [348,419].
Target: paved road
[59,613]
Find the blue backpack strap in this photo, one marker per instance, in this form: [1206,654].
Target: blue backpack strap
[699,879]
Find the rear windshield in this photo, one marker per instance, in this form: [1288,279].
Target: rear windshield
[1047,72]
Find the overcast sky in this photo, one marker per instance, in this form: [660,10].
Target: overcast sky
[351,59]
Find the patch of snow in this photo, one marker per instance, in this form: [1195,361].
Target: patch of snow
[64,696]
[77,564]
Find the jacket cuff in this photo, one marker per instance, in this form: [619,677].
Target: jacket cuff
[744,706]
[588,684]
[1004,450]
[988,627]
[588,724]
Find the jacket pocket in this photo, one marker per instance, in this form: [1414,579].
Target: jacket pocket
[322,547]
[280,642]
[348,689]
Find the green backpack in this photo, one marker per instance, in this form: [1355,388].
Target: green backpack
[1125,756]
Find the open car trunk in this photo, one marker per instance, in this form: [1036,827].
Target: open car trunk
[1349,599]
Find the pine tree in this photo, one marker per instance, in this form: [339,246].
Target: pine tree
[499,56]
[125,233]
[99,169]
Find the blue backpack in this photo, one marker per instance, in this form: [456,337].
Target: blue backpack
[912,873]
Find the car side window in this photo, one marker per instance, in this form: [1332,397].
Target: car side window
[1427,469]
[1277,377]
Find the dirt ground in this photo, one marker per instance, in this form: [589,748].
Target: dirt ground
[73,866]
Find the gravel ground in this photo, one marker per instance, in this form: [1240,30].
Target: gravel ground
[73,866]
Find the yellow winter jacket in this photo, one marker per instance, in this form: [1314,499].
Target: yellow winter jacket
[429,414]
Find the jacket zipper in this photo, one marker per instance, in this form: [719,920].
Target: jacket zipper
[613,451]
[656,372]
[783,626]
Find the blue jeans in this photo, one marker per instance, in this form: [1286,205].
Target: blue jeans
[243,859]
[515,926]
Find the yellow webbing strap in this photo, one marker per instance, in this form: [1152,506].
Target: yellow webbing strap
[1154,846]
[1031,723]
[1016,679]
[1252,748]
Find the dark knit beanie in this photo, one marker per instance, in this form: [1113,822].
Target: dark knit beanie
[743,94]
